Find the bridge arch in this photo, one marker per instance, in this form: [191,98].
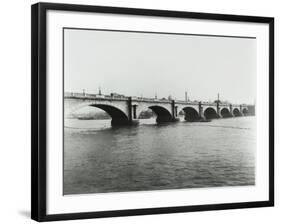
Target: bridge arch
[245,111]
[225,112]
[163,115]
[162,111]
[118,116]
[191,114]
[236,112]
[210,113]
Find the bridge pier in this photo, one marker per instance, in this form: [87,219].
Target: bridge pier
[218,110]
[201,112]
[130,120]
[241,111]
[231,110]
[174,113]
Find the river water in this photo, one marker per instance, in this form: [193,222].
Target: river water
[99,158]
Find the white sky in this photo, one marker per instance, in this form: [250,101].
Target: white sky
[142,64]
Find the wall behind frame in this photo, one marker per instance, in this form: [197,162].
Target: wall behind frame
[15,110]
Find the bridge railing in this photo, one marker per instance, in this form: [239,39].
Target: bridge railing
[143,99]
[116,97]
[236,105]
[187,102]
[94,96]
[208,103]
[224,104]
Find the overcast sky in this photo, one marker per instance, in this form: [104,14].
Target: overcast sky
[142,64]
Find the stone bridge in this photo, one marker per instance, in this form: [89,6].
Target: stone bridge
[126,110]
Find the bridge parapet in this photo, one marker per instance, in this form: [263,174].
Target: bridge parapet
[186,102]
[224,104]
[236,105]
[89,96]
[141,99]
[208,104]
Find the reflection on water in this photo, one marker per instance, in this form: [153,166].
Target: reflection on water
[99,158]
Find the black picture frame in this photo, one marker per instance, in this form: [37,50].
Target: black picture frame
[39,107]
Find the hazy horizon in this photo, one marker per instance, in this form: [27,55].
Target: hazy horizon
[145,64]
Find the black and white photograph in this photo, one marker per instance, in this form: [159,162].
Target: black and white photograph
[147,111]
[140,111]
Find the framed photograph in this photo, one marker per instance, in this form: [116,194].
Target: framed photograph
[141,111]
